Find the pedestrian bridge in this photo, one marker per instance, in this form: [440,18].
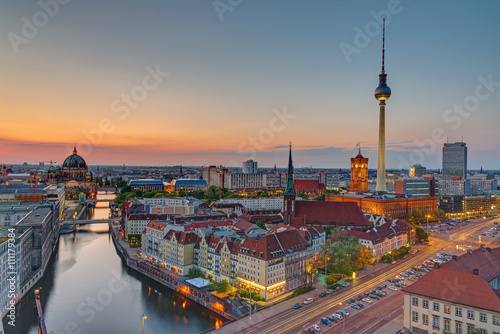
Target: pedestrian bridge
[68,226]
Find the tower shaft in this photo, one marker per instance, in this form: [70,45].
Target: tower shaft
[381,182]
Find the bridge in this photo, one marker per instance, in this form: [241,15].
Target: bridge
[68,226]
[89,200]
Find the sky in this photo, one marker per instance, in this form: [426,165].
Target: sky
[162,82]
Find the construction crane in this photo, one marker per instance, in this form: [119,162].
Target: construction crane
[50,161]
[3,171]
[34,184]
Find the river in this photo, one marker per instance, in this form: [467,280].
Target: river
[87,288]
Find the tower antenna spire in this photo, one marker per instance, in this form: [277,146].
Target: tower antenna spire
[383,47]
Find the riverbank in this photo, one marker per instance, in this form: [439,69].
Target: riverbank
[172,281]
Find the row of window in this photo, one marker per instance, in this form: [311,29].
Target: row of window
[458,311]
[459,326]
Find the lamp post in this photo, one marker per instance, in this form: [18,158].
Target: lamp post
[143,318]
[427,216]
[326,260]
[250,302]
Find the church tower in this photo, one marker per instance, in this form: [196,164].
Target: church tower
[288,211]
[359,174]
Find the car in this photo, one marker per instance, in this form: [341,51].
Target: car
[365,295]
[296,306]
[374,296]
[411,279]
[355,306]
[367,300]
[326,322]
[332,318]
[381,292]
[359,297]
[323,294]
[351,300]
[360,305]
[384,286]
[329,291]
[398,285]
[346,284]
[337,316]
[346,313]
[308,301]
[393,288]
[393,262]
[373,290]
[316,328]
[305,331]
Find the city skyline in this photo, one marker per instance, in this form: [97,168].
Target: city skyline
[236,75]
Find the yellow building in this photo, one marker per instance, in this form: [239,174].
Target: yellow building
[178,251]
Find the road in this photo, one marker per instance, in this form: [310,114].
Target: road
[370,318]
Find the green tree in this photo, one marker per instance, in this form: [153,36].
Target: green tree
[421,234]
[261,224]
[126,189]
[416,216]
[220,287]
[194,272]
[346,253]
[303,196]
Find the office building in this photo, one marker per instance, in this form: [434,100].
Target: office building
[417,170]
[250,167]
[413,187]
[455,160]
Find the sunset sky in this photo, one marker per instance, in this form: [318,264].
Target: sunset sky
[162,82]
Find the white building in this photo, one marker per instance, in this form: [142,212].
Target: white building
[250,167]
[265,203]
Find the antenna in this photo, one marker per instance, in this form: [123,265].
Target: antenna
[383,46]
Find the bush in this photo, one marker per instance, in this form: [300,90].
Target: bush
[302,290]
[332,279]
[397,254]
[194,272]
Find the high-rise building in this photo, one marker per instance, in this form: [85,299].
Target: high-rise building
[382,93]
[413,187]
[455,160]
[417,170]
[250,167]
[359,174]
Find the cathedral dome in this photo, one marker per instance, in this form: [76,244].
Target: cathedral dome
[74,160]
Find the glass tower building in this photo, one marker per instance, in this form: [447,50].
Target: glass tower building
[455,160]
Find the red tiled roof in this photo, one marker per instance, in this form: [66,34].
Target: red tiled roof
[265,218]
[345,214]
[242,225]
[234,247]
[147,217]
[156,225]
[457,286]
[487,261]
[306,184]
[278,228]
[379,234]
[181,237]
[273,246]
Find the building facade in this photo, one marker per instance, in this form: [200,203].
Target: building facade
[455,160]
[359,174]
[413,187]
[250,167]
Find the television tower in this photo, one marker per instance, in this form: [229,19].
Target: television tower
[382,93]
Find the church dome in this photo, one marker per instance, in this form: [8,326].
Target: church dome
[74,160]
[52,168]
[58,167]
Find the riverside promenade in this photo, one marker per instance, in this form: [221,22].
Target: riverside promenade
[169,279]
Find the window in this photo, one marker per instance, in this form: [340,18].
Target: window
[470,314]
[436,306]
[435,322]
[447,309]
[458,327]
[446,325]
[425,319]
[470,328]
[482,317]
[458,311]
[425,303]
[496,320]
[414,301]
[414,316]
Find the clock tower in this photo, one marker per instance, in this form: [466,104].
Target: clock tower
[359,174]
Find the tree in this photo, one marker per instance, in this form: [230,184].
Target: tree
[194,272]
[346,253]
[416,216]
[261,224]
[439,214]
[220,287]
[421,234]
[126,189]
[303,196]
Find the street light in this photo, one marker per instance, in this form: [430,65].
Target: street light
[427,216]
[143,318]
[326,260]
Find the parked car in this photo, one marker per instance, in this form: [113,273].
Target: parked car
[323,294]
[355,306]
[374,296]
[305,331]
[325,321]
[393,262]
[360,305]
[367,300]
[308,301]
[393,288]
[316,328]
[346,313]
[351,300]
[329,291]
[384,286]
[359,297]
[332,318]
[296,306]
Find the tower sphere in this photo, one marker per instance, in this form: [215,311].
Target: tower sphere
[382,93]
